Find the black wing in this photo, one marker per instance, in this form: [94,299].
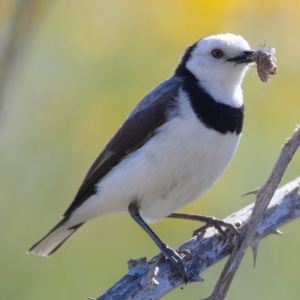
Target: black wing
[138,128]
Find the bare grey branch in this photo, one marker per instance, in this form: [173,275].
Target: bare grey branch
[264,196]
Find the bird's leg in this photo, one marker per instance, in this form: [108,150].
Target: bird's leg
[210,221]
[171,254]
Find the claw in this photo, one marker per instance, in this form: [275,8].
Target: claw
[185,253]
[218,224]
[176,261]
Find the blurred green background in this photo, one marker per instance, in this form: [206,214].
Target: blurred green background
[77,73]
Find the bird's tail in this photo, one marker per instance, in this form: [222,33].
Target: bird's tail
[54,238]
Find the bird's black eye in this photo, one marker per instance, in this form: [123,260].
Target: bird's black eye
[217,53]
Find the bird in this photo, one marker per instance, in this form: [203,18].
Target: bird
[171,148]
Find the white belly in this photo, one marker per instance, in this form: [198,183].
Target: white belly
[171,170]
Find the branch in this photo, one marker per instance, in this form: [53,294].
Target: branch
[156,278]
[264,196]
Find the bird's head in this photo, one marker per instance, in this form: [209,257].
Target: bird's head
[219,62]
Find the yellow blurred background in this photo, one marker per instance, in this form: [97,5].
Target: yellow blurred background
[80,70]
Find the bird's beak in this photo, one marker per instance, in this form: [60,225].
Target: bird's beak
[243,58]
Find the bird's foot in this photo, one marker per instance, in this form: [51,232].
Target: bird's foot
[175,258]
[185,253]
[218,224]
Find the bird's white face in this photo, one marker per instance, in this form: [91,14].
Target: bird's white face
[220,63]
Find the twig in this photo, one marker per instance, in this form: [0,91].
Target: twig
[154,279]
[264,195]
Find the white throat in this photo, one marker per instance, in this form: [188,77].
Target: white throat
[226,92]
